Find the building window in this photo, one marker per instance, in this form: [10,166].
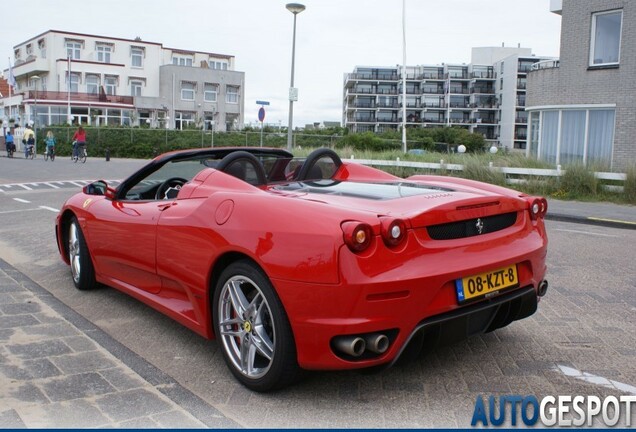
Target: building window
[111,85]
[187,91]
[29,49]
[606,38]
[566,136]
[73,50]
[232,95]
[181,61]
[137,57]
[103,53]
[135,88]
[74,83]
[92,84]
[209,92]
[17,54]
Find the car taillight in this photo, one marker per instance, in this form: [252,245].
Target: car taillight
[357,235]
[393,232]
[538,208]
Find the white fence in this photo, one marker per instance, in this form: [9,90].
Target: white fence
[530,172]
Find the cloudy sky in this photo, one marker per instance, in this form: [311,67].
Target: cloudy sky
[333,36]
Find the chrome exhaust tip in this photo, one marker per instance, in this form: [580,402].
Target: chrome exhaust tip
[351,345]
[377,343]
[543,288]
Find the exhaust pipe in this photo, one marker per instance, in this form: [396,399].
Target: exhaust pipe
[377,343]
[351,345]
[543,288]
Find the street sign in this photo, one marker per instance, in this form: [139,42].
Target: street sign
[262,103]
[261,114]
[293,94]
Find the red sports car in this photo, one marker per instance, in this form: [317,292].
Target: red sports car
[309,264]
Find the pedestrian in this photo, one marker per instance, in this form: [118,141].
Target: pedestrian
[79,139]
[28,139]
[50,145]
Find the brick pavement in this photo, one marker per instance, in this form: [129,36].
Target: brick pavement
[58,370]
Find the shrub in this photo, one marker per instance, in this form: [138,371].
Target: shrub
[579,181]
[630,185]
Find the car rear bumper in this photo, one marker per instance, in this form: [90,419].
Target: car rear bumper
[408,302]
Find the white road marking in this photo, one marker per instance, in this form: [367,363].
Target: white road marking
[24,186]
[595,379]
[18,211]
[22,200]
[52,185]
[50,209]
[585,232]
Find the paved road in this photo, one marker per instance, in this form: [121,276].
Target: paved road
[581,341]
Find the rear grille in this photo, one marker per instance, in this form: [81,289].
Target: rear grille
[471,227]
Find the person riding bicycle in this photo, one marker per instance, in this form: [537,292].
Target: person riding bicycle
[10,143]
[29,140]
[50,144]
[79,139]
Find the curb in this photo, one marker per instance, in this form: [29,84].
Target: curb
[589,220]
[165,384]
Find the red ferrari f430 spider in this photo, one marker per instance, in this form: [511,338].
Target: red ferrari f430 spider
[314,264]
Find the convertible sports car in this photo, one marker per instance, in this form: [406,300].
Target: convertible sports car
[309,264]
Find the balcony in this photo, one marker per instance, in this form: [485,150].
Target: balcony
[33,65]
[546,64]
[87,98]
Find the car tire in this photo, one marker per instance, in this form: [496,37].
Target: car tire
[82,269]
[253,330]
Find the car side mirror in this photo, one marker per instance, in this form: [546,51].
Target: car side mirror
[99,187]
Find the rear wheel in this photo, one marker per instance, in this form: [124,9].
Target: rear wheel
[79,257]
[253,330]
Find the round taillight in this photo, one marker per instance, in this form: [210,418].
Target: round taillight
[393,232]
[357,235]
[538,208]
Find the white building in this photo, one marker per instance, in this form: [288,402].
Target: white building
[99,80]
[486,96]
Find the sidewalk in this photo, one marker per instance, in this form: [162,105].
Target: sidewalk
[592,213]
[58,370]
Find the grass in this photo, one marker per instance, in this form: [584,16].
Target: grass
[577,182]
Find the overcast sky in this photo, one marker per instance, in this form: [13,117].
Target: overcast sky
[333,36]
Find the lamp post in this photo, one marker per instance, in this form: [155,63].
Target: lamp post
[294,8]
[35,78]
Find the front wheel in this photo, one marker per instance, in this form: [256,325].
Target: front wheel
[81,264]
[83,156]
[253,330]
[46,156]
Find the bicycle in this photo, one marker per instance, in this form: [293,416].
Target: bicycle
[81,153]
[49,153]
[29,152]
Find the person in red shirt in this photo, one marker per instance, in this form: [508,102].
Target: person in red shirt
[79,139]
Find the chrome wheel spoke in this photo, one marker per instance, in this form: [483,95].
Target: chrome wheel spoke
[248,354]
[239,302]
[262,342]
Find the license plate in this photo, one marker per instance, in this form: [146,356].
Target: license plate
[472,287]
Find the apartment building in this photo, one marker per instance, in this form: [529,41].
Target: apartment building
[486,96]
[96,80]
[581,108]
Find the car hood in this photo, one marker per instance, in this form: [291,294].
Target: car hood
[421,203]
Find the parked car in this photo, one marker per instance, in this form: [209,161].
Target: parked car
[316,264]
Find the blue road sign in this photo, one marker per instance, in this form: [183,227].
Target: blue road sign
[262,103]
[261,114]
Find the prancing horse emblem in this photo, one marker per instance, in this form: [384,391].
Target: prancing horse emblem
[480,226]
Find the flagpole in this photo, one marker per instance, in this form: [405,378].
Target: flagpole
[68,103]
[404,76]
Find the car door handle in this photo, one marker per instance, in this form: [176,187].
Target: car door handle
[163,207]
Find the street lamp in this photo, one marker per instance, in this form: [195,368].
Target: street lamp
[294,8]
[35,78]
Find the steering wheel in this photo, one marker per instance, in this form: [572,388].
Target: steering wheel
[310,169]
[170,188]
